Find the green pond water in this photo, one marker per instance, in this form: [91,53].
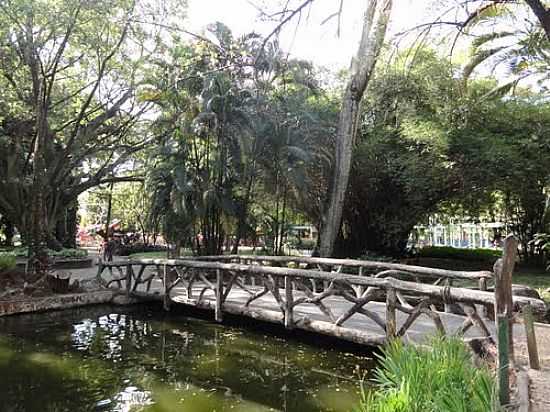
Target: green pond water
[142,359]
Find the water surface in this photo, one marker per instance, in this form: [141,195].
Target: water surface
[141,359]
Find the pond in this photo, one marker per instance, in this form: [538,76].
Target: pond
[142,359]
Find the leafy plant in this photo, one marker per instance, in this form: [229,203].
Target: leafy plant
[441,379]
[127,250]
[23,251]
[7,261]
[448,252]
[542,243]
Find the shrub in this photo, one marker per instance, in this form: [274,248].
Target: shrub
[23,251]
[449,252]
[437,379]
[69,253]
[7,261]
[127,250]
[375,257]
[298,243]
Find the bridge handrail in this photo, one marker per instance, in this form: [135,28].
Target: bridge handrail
[367,264]
[445,293]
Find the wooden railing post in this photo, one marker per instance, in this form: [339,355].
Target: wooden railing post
[504,268]
[483,287]
[446,306]
[391,323]
[128,279]
[219,296]
[289,319]
[503,359]
[529,322]
[166,295]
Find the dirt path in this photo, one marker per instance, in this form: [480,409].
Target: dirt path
[539,390]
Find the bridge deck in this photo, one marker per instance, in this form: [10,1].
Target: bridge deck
[420,330]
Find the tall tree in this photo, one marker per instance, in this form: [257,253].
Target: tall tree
[70,73]
[375,22]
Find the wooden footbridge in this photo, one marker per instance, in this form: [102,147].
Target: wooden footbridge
[360,301]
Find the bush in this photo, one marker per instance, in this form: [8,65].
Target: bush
[7,261]
[437,379]
[69,253]
[449,252]
[298,243]
[375,257]
[23,251]
[127,250]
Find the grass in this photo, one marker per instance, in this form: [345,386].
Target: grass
[163,254]
[537,279]
[148,255]
[441,378]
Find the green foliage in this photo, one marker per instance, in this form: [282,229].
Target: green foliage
[140,248]
[541,243]
[441,378]
[236,140]
[506,39]
[22,252]
[299,243]
[7,261]
[402,167]
[376,257]
[449,252]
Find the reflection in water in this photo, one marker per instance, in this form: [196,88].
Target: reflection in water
[125,360]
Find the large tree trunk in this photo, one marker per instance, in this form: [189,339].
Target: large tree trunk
[375,22]
[66,226]
[40,227]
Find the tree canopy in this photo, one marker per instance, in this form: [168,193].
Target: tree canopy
[222,138]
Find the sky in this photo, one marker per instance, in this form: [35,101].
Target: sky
[312,41]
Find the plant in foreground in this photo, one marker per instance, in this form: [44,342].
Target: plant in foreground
[441,378]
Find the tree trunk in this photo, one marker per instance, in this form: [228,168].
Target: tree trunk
[66,226]
[375,22]
[542,13]
[40,227]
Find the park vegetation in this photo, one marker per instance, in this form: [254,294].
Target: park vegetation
[209,139]
[439,379]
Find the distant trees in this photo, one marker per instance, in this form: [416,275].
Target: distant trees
[232,140]
[425,143]
[70,73]
[239,139]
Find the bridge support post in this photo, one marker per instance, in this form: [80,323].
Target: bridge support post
[129,275]
[219,295]
[289,320]
[503,360]
[447,307]
[503,270]
[483,309]
[529,321]
[166,295]
[391,323]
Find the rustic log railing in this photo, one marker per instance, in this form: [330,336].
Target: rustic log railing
[288,295]
[361,268]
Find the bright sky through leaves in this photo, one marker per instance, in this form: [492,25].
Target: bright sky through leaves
[312,40]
